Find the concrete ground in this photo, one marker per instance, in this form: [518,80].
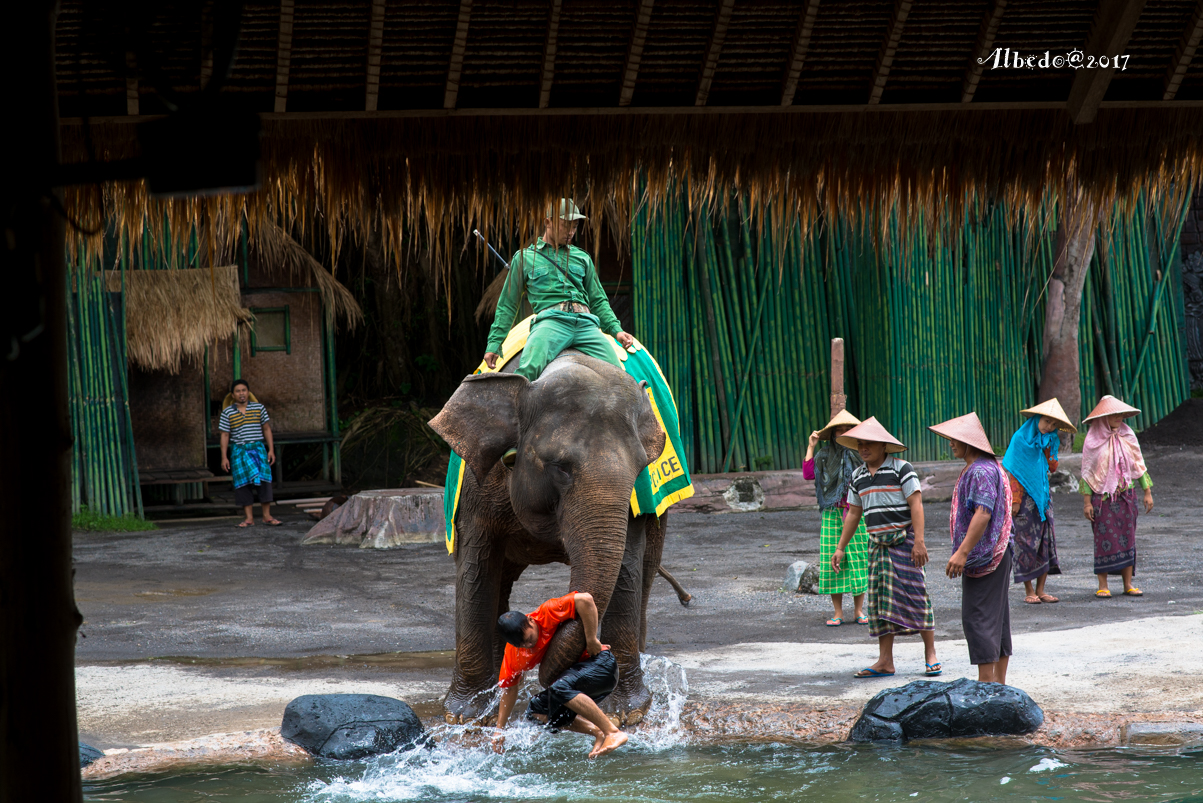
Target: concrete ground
[201,628]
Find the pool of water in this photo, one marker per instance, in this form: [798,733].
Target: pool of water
[539,767]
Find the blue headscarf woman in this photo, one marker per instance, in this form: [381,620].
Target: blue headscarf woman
[1030,460]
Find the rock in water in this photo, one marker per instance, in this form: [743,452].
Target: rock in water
[88,754]
[350,726]
[929,709]
[801,577]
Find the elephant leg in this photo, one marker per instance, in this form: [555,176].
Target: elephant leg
[652,553]
[621,626]
[510,573]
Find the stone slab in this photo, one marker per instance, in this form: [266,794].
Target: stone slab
[383,519]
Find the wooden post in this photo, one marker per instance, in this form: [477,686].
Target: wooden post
[39,752]
[838,400]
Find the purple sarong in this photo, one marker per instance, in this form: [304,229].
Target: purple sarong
[1114,532]
[1034,544]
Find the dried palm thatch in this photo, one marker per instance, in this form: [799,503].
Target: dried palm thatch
[278,250]
[432,179]
[171,316]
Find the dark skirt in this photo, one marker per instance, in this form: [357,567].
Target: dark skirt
[1035,543]
[1114,532]
[986,613]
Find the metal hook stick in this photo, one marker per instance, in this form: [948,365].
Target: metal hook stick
[491,248]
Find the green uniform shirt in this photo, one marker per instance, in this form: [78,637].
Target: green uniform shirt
[550,276]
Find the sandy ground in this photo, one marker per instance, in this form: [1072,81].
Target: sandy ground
[200,628]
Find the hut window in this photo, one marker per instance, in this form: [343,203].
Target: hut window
[271,330]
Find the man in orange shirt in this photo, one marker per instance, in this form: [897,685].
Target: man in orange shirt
[570,702]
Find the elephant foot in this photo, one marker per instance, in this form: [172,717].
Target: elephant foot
[465,704]
[628,704]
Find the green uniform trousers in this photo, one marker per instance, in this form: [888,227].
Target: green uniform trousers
[555,330]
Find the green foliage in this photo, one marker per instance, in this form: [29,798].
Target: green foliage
[1079,439]
[86,519]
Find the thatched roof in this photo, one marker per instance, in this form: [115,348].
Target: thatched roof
[278,251]
[172,315]
[804,107]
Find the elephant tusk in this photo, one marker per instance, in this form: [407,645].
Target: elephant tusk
[683,595]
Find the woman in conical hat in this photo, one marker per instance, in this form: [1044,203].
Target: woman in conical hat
[885,492]
[831,465]
[980,526]
[1112,467]
[1031,458]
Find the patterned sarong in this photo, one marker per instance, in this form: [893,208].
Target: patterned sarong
[853,577]
[248,464]
[1034,543]
[1114,532]
[898,600]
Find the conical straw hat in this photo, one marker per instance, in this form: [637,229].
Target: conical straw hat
[1109,405]
[870,430]
[841,419]
[229,399]
[1052,408]
[966,429]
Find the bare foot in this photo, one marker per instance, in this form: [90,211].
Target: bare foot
[598,741]
[611,743]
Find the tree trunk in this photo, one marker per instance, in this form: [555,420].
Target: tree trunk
[39,749]
[1060,375]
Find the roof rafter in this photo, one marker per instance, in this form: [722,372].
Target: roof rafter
[797,54]
[721,22]
[284,54]
[375,46]
[1114,21]
[1187,45]
[630,72]
[549,54]
[981,49]
[131,84]
[885,58]
[456,67]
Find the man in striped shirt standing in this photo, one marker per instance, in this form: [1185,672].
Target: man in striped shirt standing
[245,427]
[885,490]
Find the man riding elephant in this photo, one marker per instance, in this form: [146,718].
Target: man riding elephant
[571,310]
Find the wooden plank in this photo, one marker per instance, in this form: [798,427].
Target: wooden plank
[375,45]
[630,72]
[456,67]
[1114,21]
[131,83]
[283,55]
[1187,45]
[549,54]
[982,49]
[722,20]
[797,54]
[885,58]
[678,111]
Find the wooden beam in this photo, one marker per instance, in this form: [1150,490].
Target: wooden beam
[721,21]
[797,53]
[131,83]
[885,58]
[1187,46]
[206,65]
[1114,21]
[451,95]
[982,49]
[283,55]
[549,54]
[643,20]
[375,45]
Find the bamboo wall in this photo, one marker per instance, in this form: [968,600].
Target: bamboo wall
[742,326]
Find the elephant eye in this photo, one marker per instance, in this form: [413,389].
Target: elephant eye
[560,471]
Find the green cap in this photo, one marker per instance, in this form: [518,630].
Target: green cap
[568,210]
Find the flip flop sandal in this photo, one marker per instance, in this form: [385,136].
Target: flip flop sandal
[240,525]
[862,620]
[274,523]
[870,672]
[933,669]
[1032,599]
[834,621]
[1134,592]
[1102,593]
[1049,598]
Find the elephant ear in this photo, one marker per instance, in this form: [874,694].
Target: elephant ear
[651,434]
[480,420]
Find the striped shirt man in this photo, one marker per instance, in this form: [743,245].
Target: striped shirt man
[883,495]
[244,427]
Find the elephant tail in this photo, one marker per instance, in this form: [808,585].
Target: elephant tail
[683,595]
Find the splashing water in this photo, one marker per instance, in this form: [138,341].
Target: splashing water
[661,725]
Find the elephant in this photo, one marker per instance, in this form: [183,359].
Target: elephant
[582,433]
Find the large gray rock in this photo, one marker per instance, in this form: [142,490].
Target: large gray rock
[350,726]
[929,709]
[88,754]
[801,577]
